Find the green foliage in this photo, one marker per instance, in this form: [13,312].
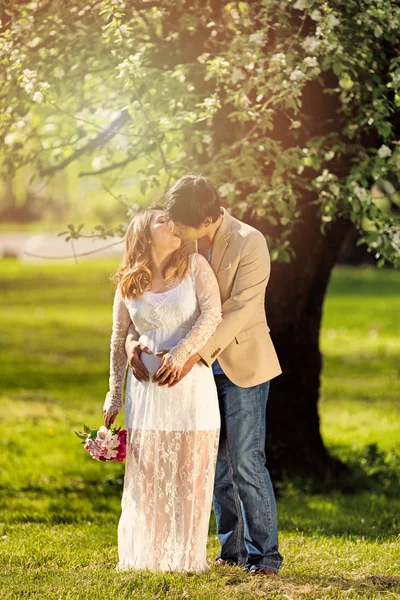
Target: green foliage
[283,103]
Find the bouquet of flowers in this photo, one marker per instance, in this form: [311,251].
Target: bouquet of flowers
[103,443]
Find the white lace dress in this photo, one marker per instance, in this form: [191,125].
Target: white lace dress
[173,433]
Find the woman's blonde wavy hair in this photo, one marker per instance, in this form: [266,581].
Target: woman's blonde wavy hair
[134,275]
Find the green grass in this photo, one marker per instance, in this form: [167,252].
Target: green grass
[60,509]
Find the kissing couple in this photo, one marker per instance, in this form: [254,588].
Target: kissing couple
[189,320]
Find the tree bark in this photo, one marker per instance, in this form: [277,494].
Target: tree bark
[294,306]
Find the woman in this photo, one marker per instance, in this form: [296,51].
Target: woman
[174,303]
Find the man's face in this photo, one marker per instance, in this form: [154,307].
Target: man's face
[190,233]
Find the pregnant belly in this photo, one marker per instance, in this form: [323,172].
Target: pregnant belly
[158,340]
[151,362]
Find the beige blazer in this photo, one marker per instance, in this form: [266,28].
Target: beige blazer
[240,259]
[242,343]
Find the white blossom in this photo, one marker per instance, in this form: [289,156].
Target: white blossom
[300,5]
[279,58]
[33,43]
[333,21]
[211,102]
[10,138]
[296,75]
[310,61]
[310,43]
[226,189]
[244,100]
[257,38]
[315,15]
[335,189]
[38,97]
[384,151]
[59,73]
[360,192]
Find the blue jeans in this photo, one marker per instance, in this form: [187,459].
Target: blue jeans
[244,500]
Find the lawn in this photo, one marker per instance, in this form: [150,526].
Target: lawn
[60,509]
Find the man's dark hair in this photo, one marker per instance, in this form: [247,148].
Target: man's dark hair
[191,200]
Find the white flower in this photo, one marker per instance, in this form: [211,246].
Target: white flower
[335,189]
[244,100]
[33,43]
[384,151]
[104,434]
[299,5]
[226,189]
[360,192]
[279,58]
[333,21]
[29,73]
[59,73]
[38,97]
[237,75]
[310,43]
[315,15]
[310,61]
[296,74]
[10,138]
[257,38]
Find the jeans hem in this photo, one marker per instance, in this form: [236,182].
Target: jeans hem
[271,566]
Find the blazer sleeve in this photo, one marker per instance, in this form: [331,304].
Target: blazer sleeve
[247,296]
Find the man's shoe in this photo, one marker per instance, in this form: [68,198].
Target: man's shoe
[222,562]
[259,571]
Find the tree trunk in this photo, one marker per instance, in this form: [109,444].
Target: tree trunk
[294,304]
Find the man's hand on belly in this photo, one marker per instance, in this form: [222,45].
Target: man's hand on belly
[133,350]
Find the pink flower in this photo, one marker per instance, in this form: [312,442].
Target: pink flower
[107,445]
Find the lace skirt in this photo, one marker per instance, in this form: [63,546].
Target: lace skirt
[172,446]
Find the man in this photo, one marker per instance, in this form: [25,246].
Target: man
[244,361]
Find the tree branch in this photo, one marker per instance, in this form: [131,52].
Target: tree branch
[122,163]
[101,139]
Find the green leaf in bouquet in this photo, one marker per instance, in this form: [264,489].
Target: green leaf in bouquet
[93,434]
[81,435]
[87,429]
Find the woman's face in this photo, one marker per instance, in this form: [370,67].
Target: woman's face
[161,233]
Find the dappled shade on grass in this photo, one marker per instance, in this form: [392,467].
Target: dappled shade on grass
[60,508]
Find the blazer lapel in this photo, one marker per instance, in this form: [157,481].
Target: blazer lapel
[221,241]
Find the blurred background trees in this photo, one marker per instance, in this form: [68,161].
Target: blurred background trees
[291,108]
